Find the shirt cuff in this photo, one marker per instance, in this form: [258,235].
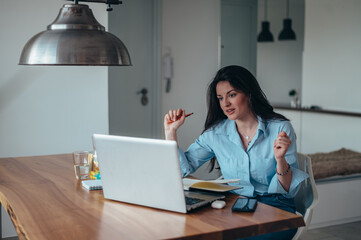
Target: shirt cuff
[184,165]
[298,177]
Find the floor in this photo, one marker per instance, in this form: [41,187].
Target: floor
[350,231]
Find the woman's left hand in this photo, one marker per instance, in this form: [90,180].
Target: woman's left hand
[280,145]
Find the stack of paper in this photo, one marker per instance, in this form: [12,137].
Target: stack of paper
[210,185]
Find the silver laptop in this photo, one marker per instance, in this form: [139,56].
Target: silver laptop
[145,172]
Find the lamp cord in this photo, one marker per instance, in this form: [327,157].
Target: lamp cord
[265,10]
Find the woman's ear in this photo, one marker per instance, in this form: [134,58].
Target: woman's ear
[250,99]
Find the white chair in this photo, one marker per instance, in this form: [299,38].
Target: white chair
[307,197]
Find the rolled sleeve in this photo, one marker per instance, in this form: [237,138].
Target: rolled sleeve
[197,154]
[185,168]
[298,177]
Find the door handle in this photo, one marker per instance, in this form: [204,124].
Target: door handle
[144,98]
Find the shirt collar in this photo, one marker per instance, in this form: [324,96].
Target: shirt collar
[226,127]
[261,125]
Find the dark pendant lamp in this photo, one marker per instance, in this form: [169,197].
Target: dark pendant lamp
[76,38]
[265,35]
[287,33]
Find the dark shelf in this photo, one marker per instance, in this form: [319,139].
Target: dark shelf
[303,109]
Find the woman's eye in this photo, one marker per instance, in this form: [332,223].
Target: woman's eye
[220,99]
[232,95]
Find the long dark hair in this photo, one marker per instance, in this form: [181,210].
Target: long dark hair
[242,80]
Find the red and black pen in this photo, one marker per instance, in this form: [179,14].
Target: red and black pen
[187,115]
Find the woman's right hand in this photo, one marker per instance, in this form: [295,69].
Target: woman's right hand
[172,121]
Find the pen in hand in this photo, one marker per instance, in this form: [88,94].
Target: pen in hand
[178,118]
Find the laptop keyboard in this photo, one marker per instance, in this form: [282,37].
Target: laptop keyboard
[191,201]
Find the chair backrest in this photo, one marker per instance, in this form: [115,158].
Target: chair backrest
[307,196]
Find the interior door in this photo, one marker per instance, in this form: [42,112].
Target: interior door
[238,33]
[134,100]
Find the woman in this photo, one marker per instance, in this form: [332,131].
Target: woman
[249,140]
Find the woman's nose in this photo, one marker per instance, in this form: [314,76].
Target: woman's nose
[226,102]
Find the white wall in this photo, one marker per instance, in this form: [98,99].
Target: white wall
[331,61]
[296,119]
[331,74]
[327,132]
[191,30]
[320,132]
[45,110]
[279,63]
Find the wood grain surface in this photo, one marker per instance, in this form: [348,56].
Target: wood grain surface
[45,201]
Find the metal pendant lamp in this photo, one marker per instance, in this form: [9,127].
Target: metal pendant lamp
[76,38]
[287,33]
[265,35]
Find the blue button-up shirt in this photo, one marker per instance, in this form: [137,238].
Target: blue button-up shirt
[256,166]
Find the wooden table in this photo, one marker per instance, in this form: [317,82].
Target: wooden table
[45,201]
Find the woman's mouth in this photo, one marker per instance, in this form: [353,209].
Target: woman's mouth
[230,111]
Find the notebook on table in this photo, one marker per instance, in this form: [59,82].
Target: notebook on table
[145,172]
[92,184]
